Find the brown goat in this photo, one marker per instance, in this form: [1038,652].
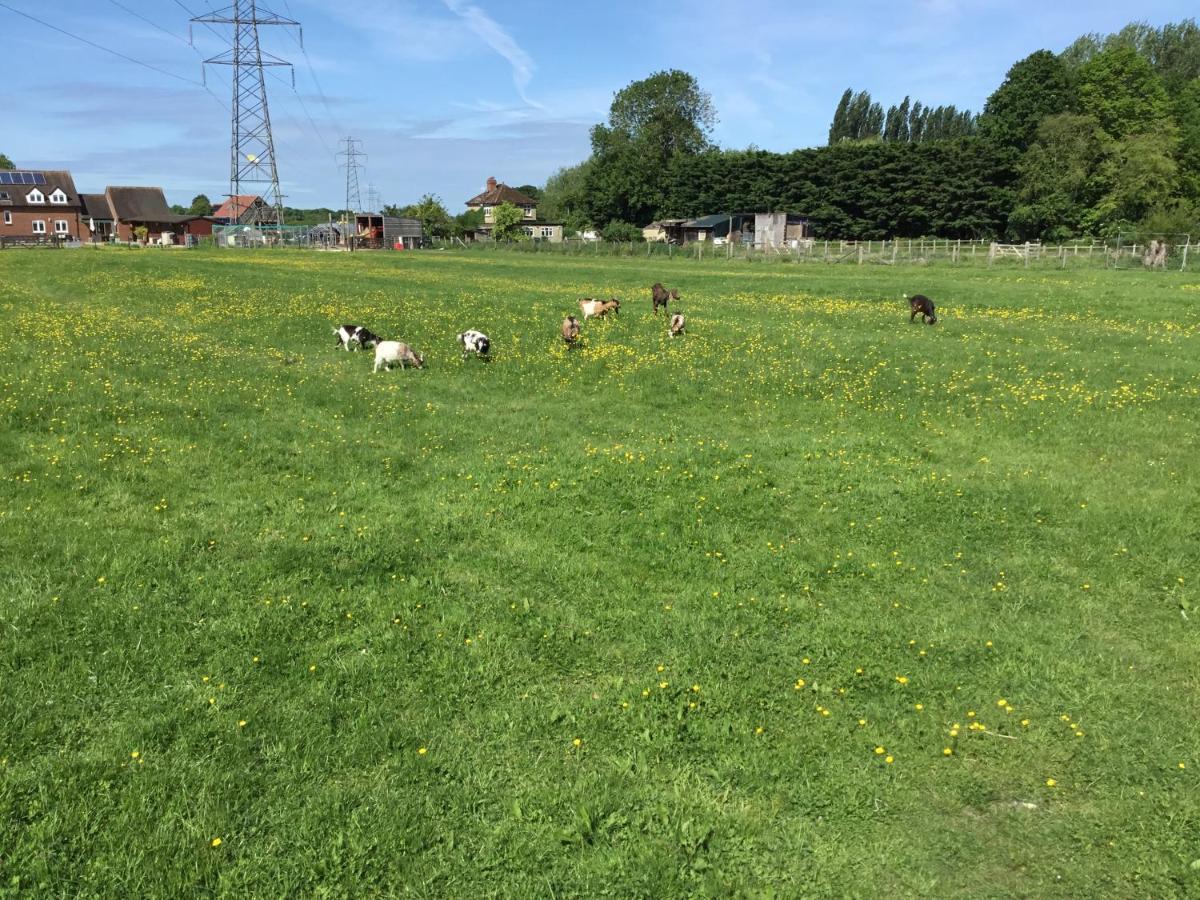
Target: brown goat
[660,295]
[923,305]
[570,330]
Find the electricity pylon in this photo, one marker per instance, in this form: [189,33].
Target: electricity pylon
[252,148]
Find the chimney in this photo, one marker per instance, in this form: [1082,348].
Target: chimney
[491,184]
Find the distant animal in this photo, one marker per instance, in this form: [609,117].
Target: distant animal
[660,295]
[474,342]
[570,330]
[388,352]
[678,323]
[923,305]
[355,334]
[599,308]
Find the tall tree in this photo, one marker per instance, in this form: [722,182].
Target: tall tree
[530,190]
[650,123]
[1125,95]
[435,220]
[6,163]
[201,206]
[837,128]
[1037,86]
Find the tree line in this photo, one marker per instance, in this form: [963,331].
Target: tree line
[1101,137]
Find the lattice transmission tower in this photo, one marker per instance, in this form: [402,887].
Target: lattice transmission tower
[352,165]
[252,148]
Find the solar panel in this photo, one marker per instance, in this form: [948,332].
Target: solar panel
[22,178]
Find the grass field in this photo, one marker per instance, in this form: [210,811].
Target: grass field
[809,602]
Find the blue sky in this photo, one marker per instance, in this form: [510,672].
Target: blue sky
[444,93]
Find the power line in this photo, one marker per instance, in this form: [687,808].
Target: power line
[136,62]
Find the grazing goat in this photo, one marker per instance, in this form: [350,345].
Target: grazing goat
[678,323]
[388,352]
[570,330]
[475,342]
[660,295]
[355,334]
[599,308]
[923,305]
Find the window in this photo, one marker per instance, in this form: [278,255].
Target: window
[39,227]
[35,196]
[4,195]
[547,231]
[530,212]
[60,226]
[58,197]
[7,217]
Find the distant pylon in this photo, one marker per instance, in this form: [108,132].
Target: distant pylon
[352,165]
[252,147]
[372,199]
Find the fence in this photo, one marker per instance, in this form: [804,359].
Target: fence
[1095,253]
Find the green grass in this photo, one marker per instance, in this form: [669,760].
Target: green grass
[209,517]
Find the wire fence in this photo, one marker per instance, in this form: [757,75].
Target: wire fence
[1128,250]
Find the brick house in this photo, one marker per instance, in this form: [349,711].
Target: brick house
[38,205]
[498,192]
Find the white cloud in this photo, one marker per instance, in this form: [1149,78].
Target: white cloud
[491,33]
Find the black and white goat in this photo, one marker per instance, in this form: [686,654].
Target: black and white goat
[355,334]
[475,342]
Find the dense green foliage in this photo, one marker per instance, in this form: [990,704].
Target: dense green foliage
[807,603]
[507,219]
[6,163]
[1038,86]
[959,188]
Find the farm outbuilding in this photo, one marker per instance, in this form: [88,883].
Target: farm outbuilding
[766,229]
[391,232]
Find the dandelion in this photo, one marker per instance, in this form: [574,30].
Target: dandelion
[215,842]
[759,730]
[241,723]
[577,743]
[918,707]
[879,751]
[421,751]
[902,679]
[1024,723]
[663,685]
[1050,782]
[135,754]
[889,759]
[800,682]
[862,723]
[1002,703]
[947,751]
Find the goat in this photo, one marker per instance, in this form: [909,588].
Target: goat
[923,305]
[474,342]
[357,334]
[388,352]
[598,308]
[660,295]
[570,330]
[678,323]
